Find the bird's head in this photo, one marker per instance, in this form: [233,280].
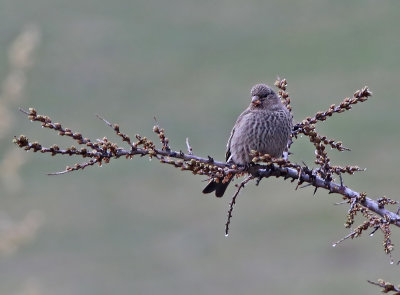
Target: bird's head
[262,96]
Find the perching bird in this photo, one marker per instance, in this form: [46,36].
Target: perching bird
[265,126]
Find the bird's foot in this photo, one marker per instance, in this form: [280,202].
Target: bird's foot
[248,166]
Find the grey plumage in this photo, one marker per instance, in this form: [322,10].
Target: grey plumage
[265,126]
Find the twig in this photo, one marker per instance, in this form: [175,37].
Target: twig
[189,148]
[115,127]
[386,286]
[358,96]
[233,202]
[76,167]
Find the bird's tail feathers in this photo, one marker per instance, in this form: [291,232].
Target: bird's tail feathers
[218,187]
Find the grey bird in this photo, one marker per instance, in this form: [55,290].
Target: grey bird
[265,126]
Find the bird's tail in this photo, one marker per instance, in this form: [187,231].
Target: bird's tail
[218,187]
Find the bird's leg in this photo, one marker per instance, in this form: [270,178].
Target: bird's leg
[271,167]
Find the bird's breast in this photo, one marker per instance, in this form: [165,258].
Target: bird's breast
[265,132]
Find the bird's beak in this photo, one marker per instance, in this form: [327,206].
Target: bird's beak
[255,100]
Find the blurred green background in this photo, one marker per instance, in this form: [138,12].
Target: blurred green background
[137,227]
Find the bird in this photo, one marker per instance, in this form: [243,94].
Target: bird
[265,126]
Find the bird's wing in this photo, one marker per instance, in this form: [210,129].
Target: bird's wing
[228,145]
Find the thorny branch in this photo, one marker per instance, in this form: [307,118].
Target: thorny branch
[386,287]
[233,202]
[375,213]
